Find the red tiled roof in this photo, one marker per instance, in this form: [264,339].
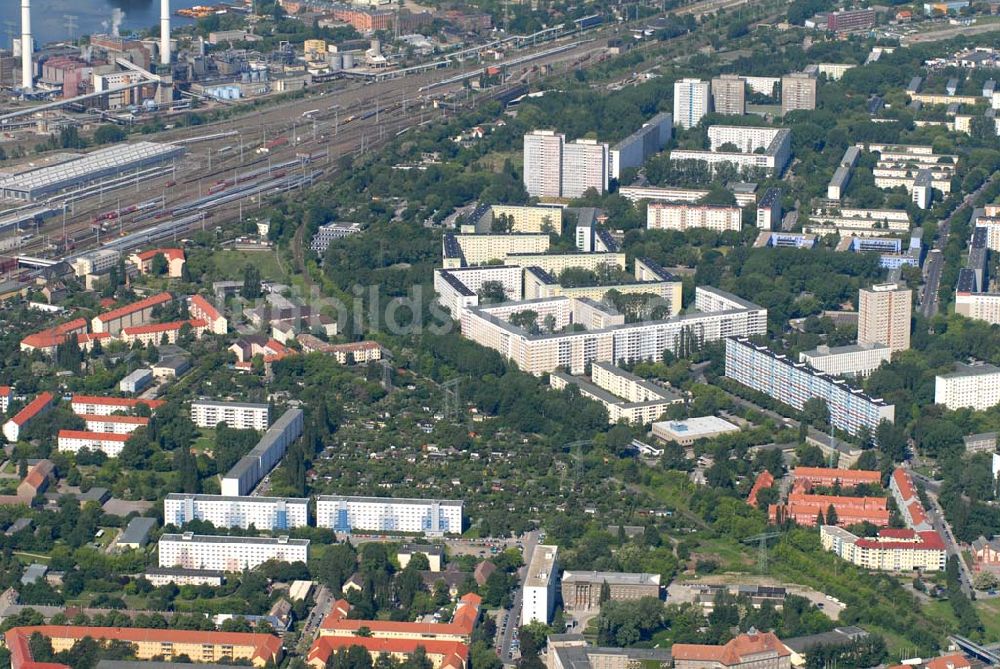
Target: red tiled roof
[266,646]
[129,420]
[38,473]
[115,401]
[86,337]
[162,327]
[764,480]
[733,652]
[93,436]
[917,514]
[147,303]
[35,407]
[903,482]
[454,653]
[54,336]
[927,541]
[204,307]
[5,391]
[169,254]
[847,477]
[953,661]
[461,625]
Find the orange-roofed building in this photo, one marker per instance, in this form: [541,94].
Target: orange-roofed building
[804,509]
[764,480]
[6,393]
[47,340]
[442,654]
[131,315]
[908,502]
[174,257]
[952,661]
[756,650]
[270,350]
[74,441]
[37,481]
[459,629]
[38,406]
[114,424]
[356,353]
[94,405]
[147,643]
[849,478]
[155,334]
[202,309]
[897,550]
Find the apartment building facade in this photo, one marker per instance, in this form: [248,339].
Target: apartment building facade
[729,95]
[237,415]
[433,517]
[264,513]
[692,100]
[974,387]
[251,468]
[794,384]
[682,216]
[884,313]
[228,554]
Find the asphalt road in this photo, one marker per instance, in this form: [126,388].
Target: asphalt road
[530,540]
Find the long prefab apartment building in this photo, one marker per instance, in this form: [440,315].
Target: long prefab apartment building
[255,465]
[383,514]
[264,513]
[792,383]
[218,553]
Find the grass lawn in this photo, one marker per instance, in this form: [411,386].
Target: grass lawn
[989,613]
[205,443]
[730,555]
[230,264]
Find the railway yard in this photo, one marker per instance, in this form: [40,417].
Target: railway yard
[219,170]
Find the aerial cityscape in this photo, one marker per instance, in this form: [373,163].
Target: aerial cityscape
[466,334]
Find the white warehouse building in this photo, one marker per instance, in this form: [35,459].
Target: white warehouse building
[384,514]
[237,415]
[217,553]
[264,513]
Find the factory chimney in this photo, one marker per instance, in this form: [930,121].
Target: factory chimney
[164,32]
[27,50]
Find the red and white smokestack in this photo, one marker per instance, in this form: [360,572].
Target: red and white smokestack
[27,47]
[165,32]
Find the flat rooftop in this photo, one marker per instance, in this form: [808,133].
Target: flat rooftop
[693,427]
[542,566]
[216,539]
[245,499]
[963,370]
[387,500]
[611,577]
[228,405]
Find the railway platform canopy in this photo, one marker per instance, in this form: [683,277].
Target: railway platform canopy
[90,168]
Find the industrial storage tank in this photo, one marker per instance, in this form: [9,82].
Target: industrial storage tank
[348,61]
[335,61]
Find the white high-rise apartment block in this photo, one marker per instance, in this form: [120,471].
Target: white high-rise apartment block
[691,101]
[798,91]
[264,513]
[684,216]
[216,553]
[385,514]
[538,598]
[853,360]
[584,166]
[543,156]
[969,386]
[884,316]
[729,95]
[237,415]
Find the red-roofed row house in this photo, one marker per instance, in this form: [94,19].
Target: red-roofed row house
[755,650]
[805,508]
[446,644]
[12,428]
[205,647]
